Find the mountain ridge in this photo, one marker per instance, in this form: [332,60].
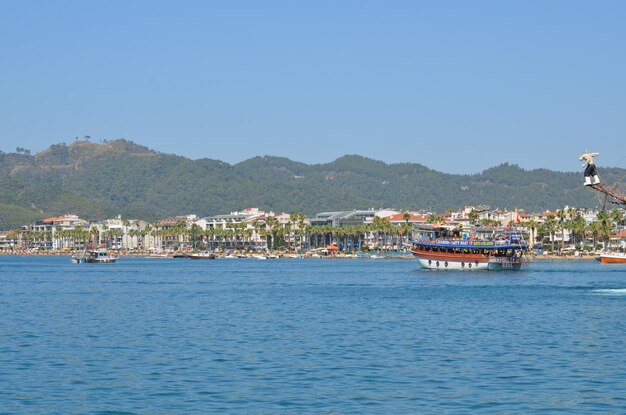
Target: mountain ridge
[122,177]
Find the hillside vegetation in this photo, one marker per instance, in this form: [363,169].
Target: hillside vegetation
[120,177]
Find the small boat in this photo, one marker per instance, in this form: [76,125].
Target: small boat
[612,258]
[202,255]
[100,256]
[79,259]
[455,254]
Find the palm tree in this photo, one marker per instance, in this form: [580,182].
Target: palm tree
[94,231]
[147,230]
[194,231]
[578,224]
[531,225]
[550,228]
[560,225]
[617,216]
[293,224]
[155,232]
[256,225]
[302,227]
[473,217]
[271,224]
[126,224]
[605,227]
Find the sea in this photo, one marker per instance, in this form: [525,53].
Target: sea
[309,336]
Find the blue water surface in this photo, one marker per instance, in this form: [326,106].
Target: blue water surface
[174,336]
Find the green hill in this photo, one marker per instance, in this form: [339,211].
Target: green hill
[120,177]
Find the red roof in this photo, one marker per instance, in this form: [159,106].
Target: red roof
[619,235]
[399,217]
[168,222]
[53,219]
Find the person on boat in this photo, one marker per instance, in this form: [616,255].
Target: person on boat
[591,175]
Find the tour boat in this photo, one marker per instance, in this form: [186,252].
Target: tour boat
[612,258]
[470,254]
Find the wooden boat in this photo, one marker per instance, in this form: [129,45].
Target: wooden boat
[612,258]
[455,254]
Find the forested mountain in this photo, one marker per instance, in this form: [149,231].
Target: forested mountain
[120,177]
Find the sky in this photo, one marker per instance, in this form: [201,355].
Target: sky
[458,86]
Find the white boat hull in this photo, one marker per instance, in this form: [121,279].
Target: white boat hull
[453,265]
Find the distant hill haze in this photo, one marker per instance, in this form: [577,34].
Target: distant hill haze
[96,181]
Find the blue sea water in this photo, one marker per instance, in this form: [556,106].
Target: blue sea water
[174,336]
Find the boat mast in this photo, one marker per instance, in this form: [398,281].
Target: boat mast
[613,191]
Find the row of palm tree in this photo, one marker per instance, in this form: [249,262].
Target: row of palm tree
[579,229]
[295,234]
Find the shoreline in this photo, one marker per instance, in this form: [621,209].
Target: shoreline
[287,255]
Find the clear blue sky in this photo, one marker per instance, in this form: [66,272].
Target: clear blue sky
[456,85]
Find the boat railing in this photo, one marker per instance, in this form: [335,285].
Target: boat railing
[472,242]
[505,259]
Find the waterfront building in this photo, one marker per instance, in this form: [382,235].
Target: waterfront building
[343,218]
[227,220]
[117,233]
[8,241]
[617,241]
[47,233]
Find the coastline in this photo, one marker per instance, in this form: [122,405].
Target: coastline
[285,255]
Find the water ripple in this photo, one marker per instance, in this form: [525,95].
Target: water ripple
[303,337]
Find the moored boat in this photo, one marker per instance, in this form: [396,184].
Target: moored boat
[470,254]
[100,256]
[79,259]
[202,255]
[612,258]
